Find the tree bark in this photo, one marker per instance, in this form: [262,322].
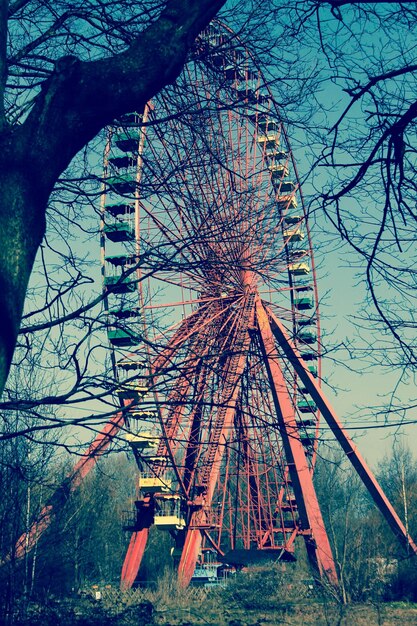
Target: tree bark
[22,226]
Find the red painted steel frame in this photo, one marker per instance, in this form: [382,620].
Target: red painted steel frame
[133,557]
[317,543]
[189,556]
[221,432]
[343,438]
[137,545]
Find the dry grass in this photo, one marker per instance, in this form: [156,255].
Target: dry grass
[223,607]
[306,614]
[259,598]
[170,606]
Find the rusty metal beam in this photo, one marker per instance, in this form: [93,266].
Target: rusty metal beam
[133,558]
[317,544]
[342,437]
[219,435]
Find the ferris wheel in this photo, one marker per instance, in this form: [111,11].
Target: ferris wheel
[205,245]
[213,322]
[211,307]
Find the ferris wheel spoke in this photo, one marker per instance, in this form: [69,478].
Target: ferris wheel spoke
[197,349]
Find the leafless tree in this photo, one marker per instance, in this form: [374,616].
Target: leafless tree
[67,71]
[364,141]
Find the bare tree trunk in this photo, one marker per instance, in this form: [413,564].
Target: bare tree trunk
[22,226]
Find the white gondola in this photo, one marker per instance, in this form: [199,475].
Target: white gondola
[278,170]
[168,514]
[293,219]
[150,483]
[299,269]
[132,363]
[143,414]
[141,440]
[293,234]
[270,136]
[286,202]
[132,390]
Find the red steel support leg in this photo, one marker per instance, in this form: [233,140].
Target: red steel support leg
[133,558]
[347,444]
[318,546]
[219,436]
[139,538]
[96,449]
[189,556]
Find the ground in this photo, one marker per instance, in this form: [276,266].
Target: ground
[215,613]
